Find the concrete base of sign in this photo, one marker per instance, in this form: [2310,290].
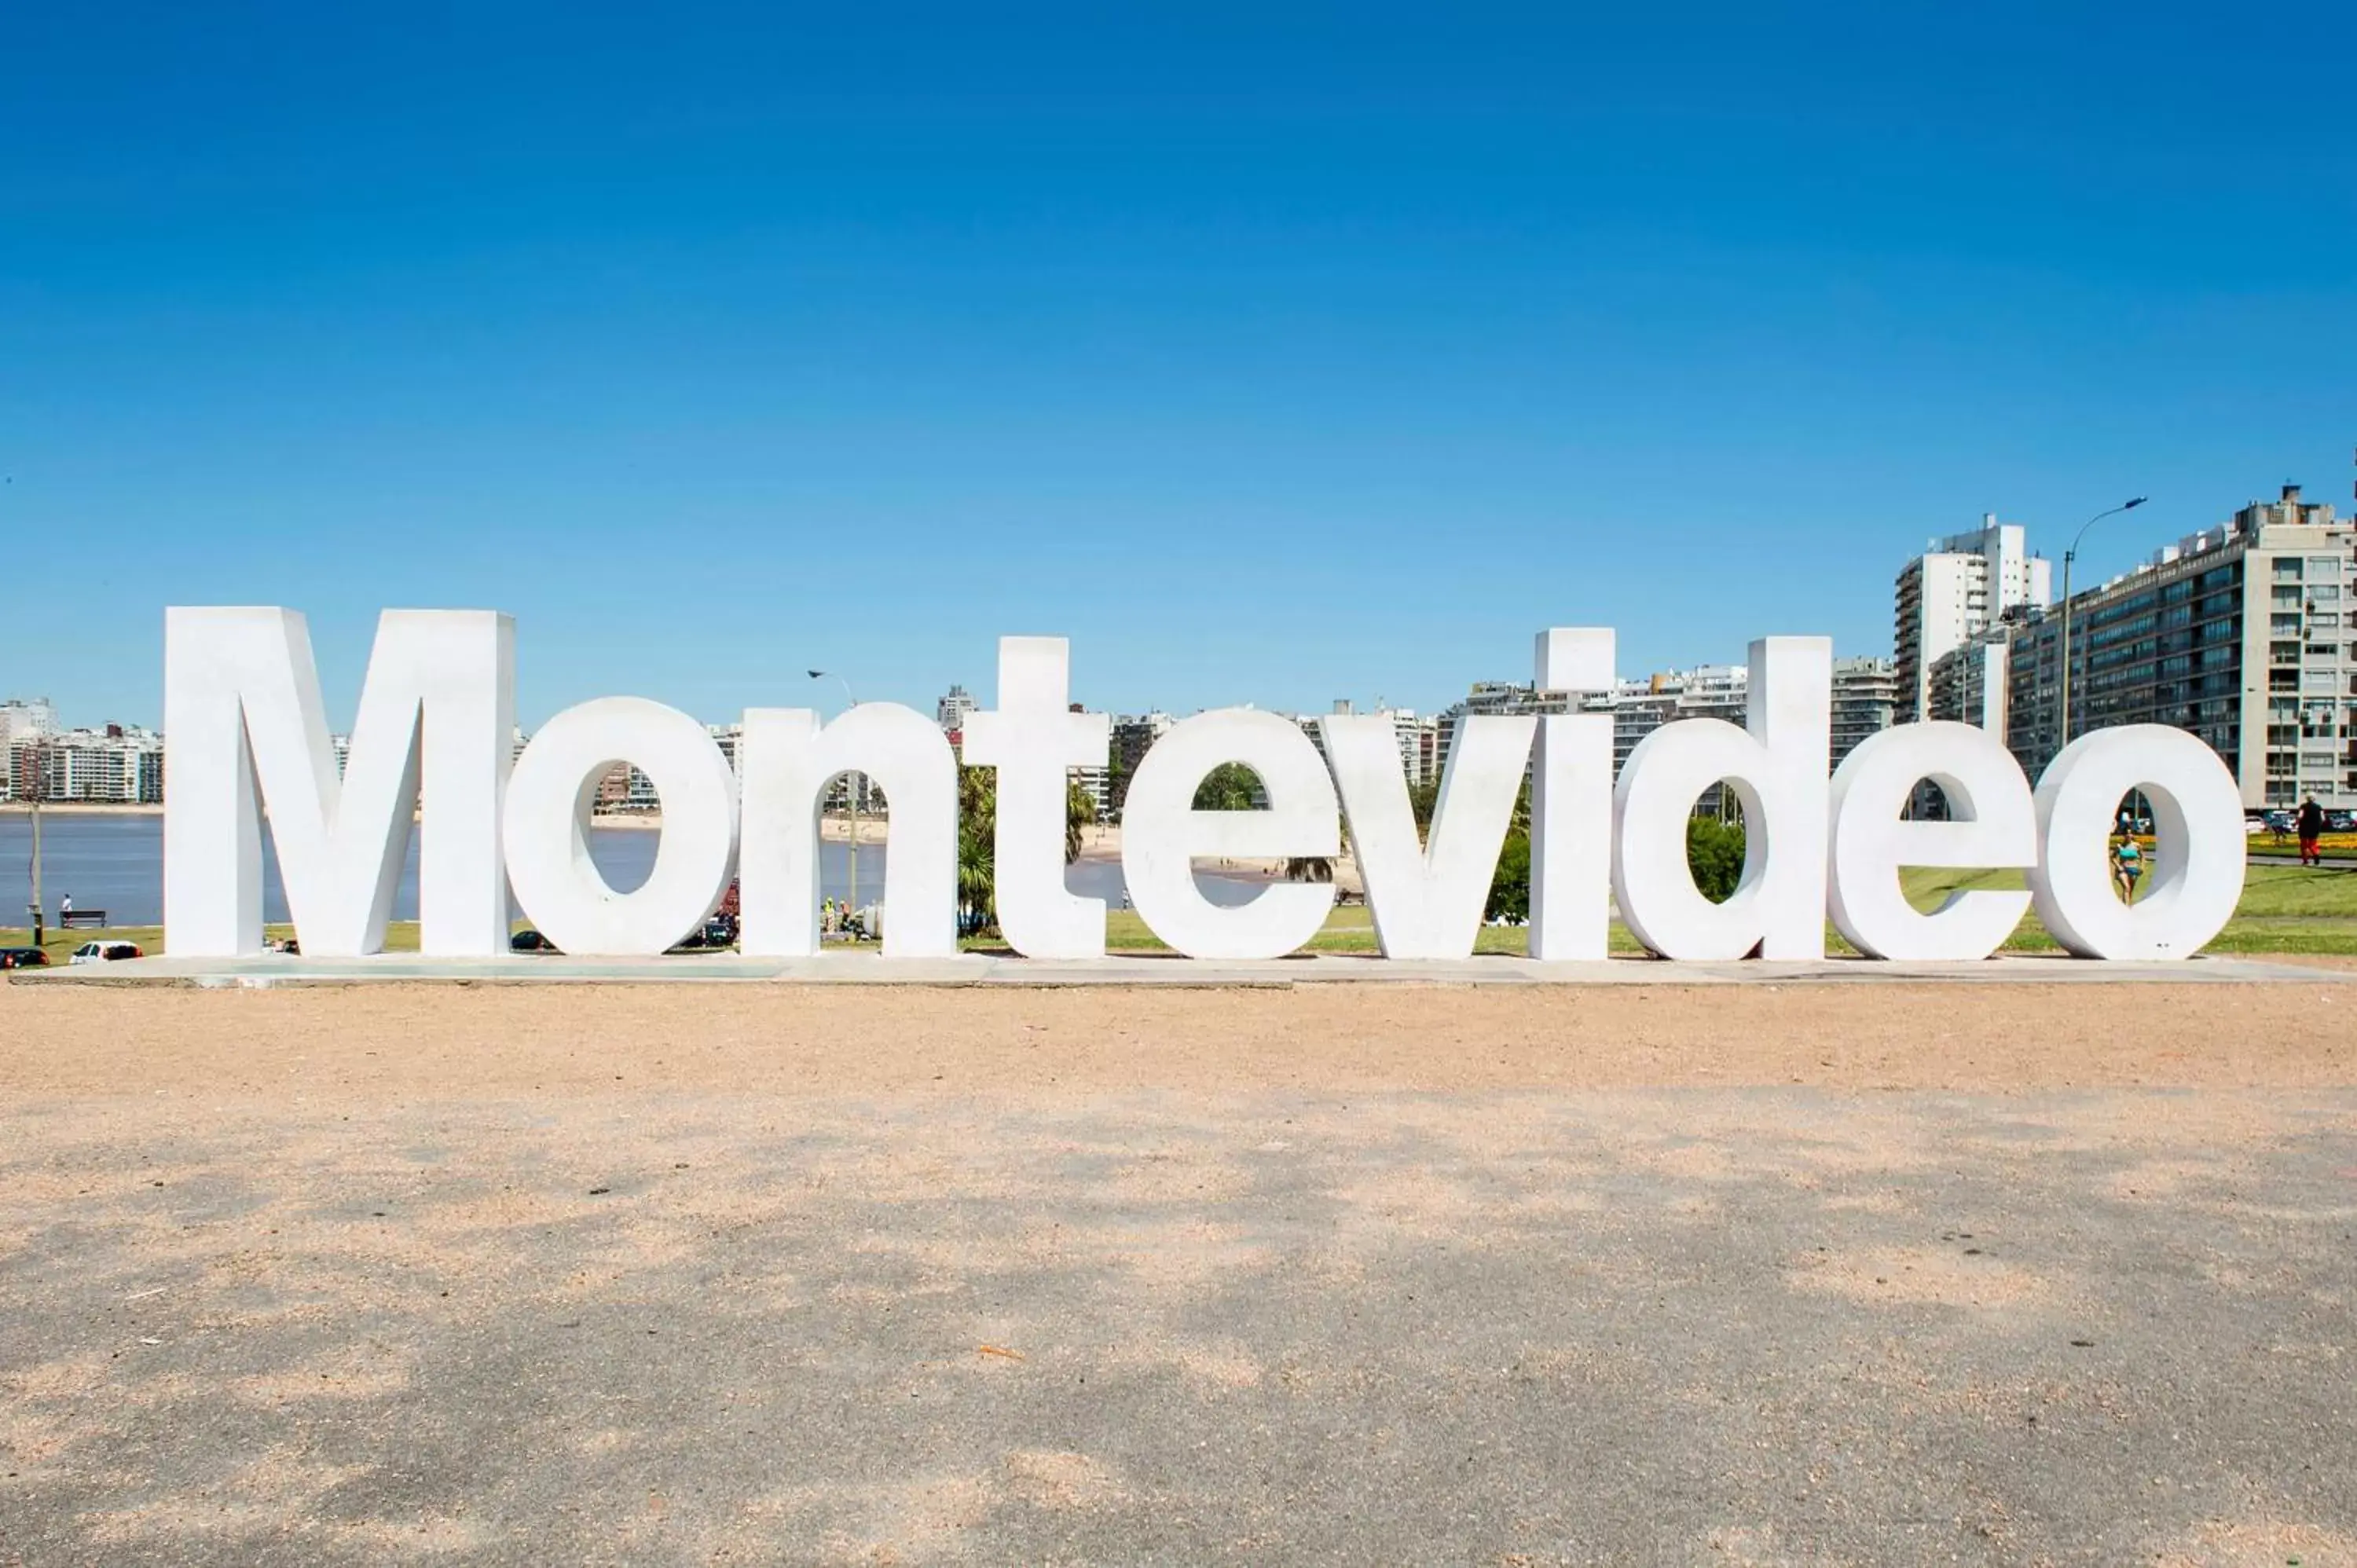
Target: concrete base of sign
[1147,969]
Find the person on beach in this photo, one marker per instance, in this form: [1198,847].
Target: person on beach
[2127,864]
[2311,829]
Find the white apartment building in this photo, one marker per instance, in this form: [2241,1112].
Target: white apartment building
[1866,701]
[2245,635]
[1957,588]
[952,709]
[118,765]
[1416,737]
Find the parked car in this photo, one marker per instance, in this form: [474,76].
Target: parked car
[2279,821]
[719,932]
[2340,821]
[23,958]
[531,941]
[104,952]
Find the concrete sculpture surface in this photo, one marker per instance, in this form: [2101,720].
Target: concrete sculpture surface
[1163,835]
[1776,766]
[1571,802]
[789,761]
[2198,860]
[1427,898]
[1033,739]
[249,737]
[241,692]
[559,887]
[1990,824]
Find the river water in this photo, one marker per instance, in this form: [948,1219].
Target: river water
[116,862]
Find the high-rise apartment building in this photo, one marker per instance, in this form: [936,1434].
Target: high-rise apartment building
[1968,683]
[1956,589]
[1417,737]
[1866,699]
[1133,735]
[952,709]
[2242,634]
[115,765]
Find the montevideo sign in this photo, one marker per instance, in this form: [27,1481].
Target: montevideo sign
[248,732]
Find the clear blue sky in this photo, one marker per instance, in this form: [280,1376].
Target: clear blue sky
[1273,358]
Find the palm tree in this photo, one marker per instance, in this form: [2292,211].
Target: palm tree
[1080,813]
[977,849]
[978,842]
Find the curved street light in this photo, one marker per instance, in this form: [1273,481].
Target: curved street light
[851,784]
[2068,556]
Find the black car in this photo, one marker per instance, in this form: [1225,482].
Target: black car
[720,931]
[23,958]
[531,941]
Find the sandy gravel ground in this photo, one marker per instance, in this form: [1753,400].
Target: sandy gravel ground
[749,1274]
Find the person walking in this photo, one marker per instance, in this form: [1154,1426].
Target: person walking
[2311,829]
[2128,866]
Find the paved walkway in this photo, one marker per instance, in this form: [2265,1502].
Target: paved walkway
[1141,970]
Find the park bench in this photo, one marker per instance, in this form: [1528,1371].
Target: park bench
[82,920]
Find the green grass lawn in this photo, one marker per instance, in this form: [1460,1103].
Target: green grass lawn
[2284,909]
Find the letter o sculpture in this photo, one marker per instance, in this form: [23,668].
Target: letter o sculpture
[550,797]
[2198,854]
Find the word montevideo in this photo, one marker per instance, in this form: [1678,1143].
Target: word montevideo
[248,732]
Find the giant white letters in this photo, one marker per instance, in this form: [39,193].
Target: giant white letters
[249,734]
[1162,831]
[2198,854]
[549,801]
[789,761]
[1571,802]
[1427,899]
[1990,824]
[241,706]
[1777,768]
[1033,740]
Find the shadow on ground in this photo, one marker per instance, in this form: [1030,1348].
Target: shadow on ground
[1763,1326]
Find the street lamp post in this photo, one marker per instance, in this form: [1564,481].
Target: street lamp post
[851,784]
[2068,556]
[38,759]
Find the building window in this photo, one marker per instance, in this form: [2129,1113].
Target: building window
[2287,569]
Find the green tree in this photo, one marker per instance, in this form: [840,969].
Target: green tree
[1230,787]
[1714,854]
[1080,812]
[977,870]
[977,878]
[1510,884]
[1422,799]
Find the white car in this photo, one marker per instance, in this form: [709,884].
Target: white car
[103,952]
